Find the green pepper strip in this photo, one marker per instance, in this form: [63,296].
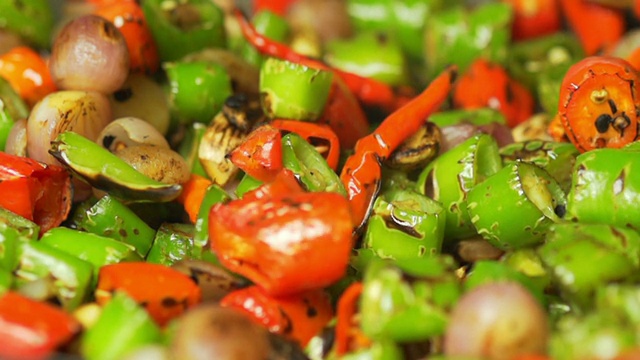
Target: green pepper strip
[25,228]
[309,166]
[214,195]
[72,275]
[123,326]
[405,225]
[516,206]
[110,218]
[173,242]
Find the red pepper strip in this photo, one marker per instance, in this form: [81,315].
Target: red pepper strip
[32,329]
[598,27]
[486,84]
[165,292]
[279,7]
[361,172]
[36,191]
[298,317]
[260,154]
[346,337]
[286,243]
[315,134]
[284,183]
[370,91]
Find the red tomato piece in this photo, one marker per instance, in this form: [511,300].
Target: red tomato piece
[260,154]
[36,191]
[287,243]
[489,85]
[165,292]
[31,329]
[298,317]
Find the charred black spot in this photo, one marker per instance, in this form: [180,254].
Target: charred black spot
[612,106]
[602,123]
[107,141]
[560,210]
[169,302]
[123,95]
[122,232]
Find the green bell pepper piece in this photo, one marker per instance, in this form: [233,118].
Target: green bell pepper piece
[215,194]
[555,157]
[11,102]
[31,19]
[246,184]
[516,206]
[620,300]
[478,117]
[189,147]
[123,326]
[293,91]
[548,87]
[606,188]
[6,281]
[530,58]
[105,171]
[379,350]
[9,242]
[309,166]
[198,90]
[72,276]
[596,335]
[25,228]
[460,36]
[583,257]
[450,177]
[354,55]
[405,225]
[393,308]
[487,271]
[110,218]
[95,249]
[528,262]
[173,242]
[183,27]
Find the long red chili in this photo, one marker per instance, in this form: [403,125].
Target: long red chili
[361,172]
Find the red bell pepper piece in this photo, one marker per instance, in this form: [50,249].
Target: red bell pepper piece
[260,154]
[598,27]
[32,329]
[284,183]
[279,7]
[298,317]
[487,84]
[285,243]
[535,18]
[348,334]
[165,292]
[316,134]
[36,191]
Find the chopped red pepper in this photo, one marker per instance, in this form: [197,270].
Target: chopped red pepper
[598,27]
[535,18]
[348,334]
[285,243]
[36,191]
[165,292]
[298,316]
[315,134]
[260,154]
[32,329]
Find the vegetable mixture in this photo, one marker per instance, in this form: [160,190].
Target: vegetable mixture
[320,179]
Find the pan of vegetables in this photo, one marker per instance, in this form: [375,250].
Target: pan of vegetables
[320,179]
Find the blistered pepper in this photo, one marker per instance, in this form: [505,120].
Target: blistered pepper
[260,154]
[173,242]
[38,192]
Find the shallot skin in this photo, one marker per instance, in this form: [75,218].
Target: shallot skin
[497,321]
[89,54]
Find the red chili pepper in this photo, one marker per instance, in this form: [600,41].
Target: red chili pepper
[320,135]
[348,334]
[489,85]
[298,317]
[284,183]
[165,292]
[279,7]
[260,154]
[361,172]
[32,329]
[28,74]
[36,191]
[369,91]
[286,243]
[534,18]
[128,17]
[599,103]
[598,27]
